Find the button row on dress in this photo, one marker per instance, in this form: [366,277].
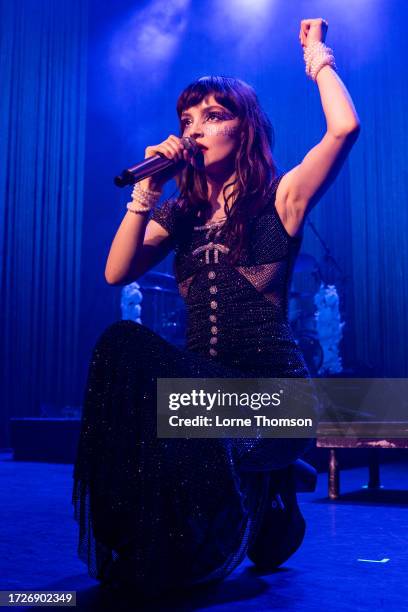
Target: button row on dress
[213,318]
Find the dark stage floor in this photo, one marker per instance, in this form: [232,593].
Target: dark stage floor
[354,556]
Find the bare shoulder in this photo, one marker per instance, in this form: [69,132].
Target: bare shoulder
[288,213]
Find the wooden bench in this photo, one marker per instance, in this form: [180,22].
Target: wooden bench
[373,436]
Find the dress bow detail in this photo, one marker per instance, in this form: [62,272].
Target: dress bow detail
[211,246]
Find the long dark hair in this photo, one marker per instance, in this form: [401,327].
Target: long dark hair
[255,168]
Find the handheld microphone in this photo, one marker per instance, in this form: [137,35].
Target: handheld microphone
[152,165]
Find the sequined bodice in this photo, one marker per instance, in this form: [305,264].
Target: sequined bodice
[236,314]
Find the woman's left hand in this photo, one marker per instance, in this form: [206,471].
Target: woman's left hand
[312,30]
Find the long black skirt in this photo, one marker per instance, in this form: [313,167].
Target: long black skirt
[160,513]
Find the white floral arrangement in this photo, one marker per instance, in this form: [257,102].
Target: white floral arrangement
[329,328]
[130,302]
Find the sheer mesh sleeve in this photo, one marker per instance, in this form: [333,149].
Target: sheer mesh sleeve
[166,215]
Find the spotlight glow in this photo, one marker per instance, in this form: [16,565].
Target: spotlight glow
[148,42]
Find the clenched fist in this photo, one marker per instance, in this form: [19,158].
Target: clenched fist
[172,148]
[312,30]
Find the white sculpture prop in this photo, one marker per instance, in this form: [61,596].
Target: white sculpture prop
[329,328]
[131,298]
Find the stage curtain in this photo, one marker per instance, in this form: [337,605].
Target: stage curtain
[43,59]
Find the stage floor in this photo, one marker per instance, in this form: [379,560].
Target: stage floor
[354,556]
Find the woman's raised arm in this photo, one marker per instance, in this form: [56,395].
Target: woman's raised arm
[303,186]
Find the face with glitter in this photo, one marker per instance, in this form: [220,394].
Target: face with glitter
[217,132]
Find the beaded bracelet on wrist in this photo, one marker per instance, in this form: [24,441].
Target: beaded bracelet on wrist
[146,192]
[316,56]
[143,200]
[134,209]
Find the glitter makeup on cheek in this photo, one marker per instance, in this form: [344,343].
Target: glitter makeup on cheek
[218,130]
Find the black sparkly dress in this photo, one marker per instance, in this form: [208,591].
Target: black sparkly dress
[164,513]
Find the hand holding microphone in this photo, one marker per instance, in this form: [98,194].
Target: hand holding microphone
[162,162]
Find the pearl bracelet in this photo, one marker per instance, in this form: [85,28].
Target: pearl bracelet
[137,189]
[134,209]
[316,56]
[143,200]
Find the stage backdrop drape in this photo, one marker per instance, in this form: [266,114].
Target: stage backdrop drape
[43,45]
